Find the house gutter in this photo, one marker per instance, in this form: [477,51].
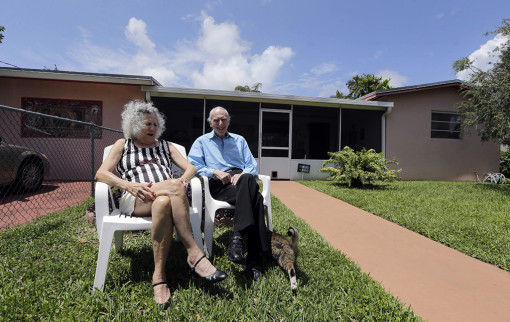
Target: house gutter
[383,128]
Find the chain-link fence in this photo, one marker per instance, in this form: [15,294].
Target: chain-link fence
[47,163]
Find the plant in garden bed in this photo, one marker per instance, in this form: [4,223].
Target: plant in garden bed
[504,164]
[359,167]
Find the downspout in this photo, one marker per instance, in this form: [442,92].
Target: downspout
[383,129]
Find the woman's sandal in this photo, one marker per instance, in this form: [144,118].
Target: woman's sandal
[166,305]
[215,277]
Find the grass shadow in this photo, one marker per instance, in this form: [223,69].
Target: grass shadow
[177,270]
[502,188]
[368,186]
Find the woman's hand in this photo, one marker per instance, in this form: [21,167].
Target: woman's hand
[142,191]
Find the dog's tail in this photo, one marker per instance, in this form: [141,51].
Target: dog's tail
[294,234]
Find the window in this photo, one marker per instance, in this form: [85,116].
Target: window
[314,132]
[445,125]
[79,110]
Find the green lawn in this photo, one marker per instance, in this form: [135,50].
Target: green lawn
[47,269]
[473,218]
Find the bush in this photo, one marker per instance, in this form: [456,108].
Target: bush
[358,168]
[504,164]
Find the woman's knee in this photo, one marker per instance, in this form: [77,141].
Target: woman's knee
[161,204]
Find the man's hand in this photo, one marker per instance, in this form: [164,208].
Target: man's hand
[226,178]
[235,178]
[223,176]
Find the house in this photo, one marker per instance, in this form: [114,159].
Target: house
[423,134]
[288,135]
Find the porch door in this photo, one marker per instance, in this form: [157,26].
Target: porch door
[275,143]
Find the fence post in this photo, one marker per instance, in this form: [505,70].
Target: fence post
[93,166]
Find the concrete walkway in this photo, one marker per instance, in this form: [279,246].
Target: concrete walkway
[437,282]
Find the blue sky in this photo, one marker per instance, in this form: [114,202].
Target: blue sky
[308,48]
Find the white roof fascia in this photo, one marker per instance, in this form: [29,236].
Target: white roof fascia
[81,77]
[263,97]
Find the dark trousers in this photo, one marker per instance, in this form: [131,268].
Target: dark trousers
[249,212]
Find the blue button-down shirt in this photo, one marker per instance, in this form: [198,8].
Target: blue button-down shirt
[209,153]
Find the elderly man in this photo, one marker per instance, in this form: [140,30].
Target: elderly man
[226,158]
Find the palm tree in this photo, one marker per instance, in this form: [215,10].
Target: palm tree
[247,88]
[367,83]
[339,95]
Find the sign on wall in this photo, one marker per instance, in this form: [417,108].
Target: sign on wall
[304,168]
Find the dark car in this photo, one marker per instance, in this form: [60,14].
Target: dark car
[22,169]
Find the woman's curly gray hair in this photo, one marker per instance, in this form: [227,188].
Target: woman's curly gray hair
[132,118]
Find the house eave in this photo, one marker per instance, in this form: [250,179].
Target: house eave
[158,91]
[77,76]
[408,89]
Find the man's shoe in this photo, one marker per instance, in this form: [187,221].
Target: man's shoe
[253,267]
[256,274]
[235,251]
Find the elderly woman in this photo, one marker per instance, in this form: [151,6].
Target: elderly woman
[144,164]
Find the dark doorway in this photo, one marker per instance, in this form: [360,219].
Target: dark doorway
[361,129]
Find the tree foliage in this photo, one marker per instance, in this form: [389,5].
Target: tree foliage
[358,168]
[2,29]
[367,83]
[487,104]
[362,85]
[504,164]
[246,88]
[339,95]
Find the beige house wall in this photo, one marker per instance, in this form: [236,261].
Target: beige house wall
[408,131]
[113,97]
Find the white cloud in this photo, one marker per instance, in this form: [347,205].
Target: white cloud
[330,89]
[217,59]
[324,68]
[397,80]
[225,61]
[220,41]
[484,56]
[136,31]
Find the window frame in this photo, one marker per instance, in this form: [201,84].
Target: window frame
[436,122]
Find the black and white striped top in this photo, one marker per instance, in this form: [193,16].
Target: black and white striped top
[145,164]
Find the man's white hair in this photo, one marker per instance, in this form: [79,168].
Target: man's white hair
[217,108]
[132,118]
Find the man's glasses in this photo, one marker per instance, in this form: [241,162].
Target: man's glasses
[216,121]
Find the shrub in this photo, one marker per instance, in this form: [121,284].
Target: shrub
[504,164]
[358,168]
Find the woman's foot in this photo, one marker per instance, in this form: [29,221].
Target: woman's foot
[162,295]
[203,268]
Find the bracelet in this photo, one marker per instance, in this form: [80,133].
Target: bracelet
[183,182]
